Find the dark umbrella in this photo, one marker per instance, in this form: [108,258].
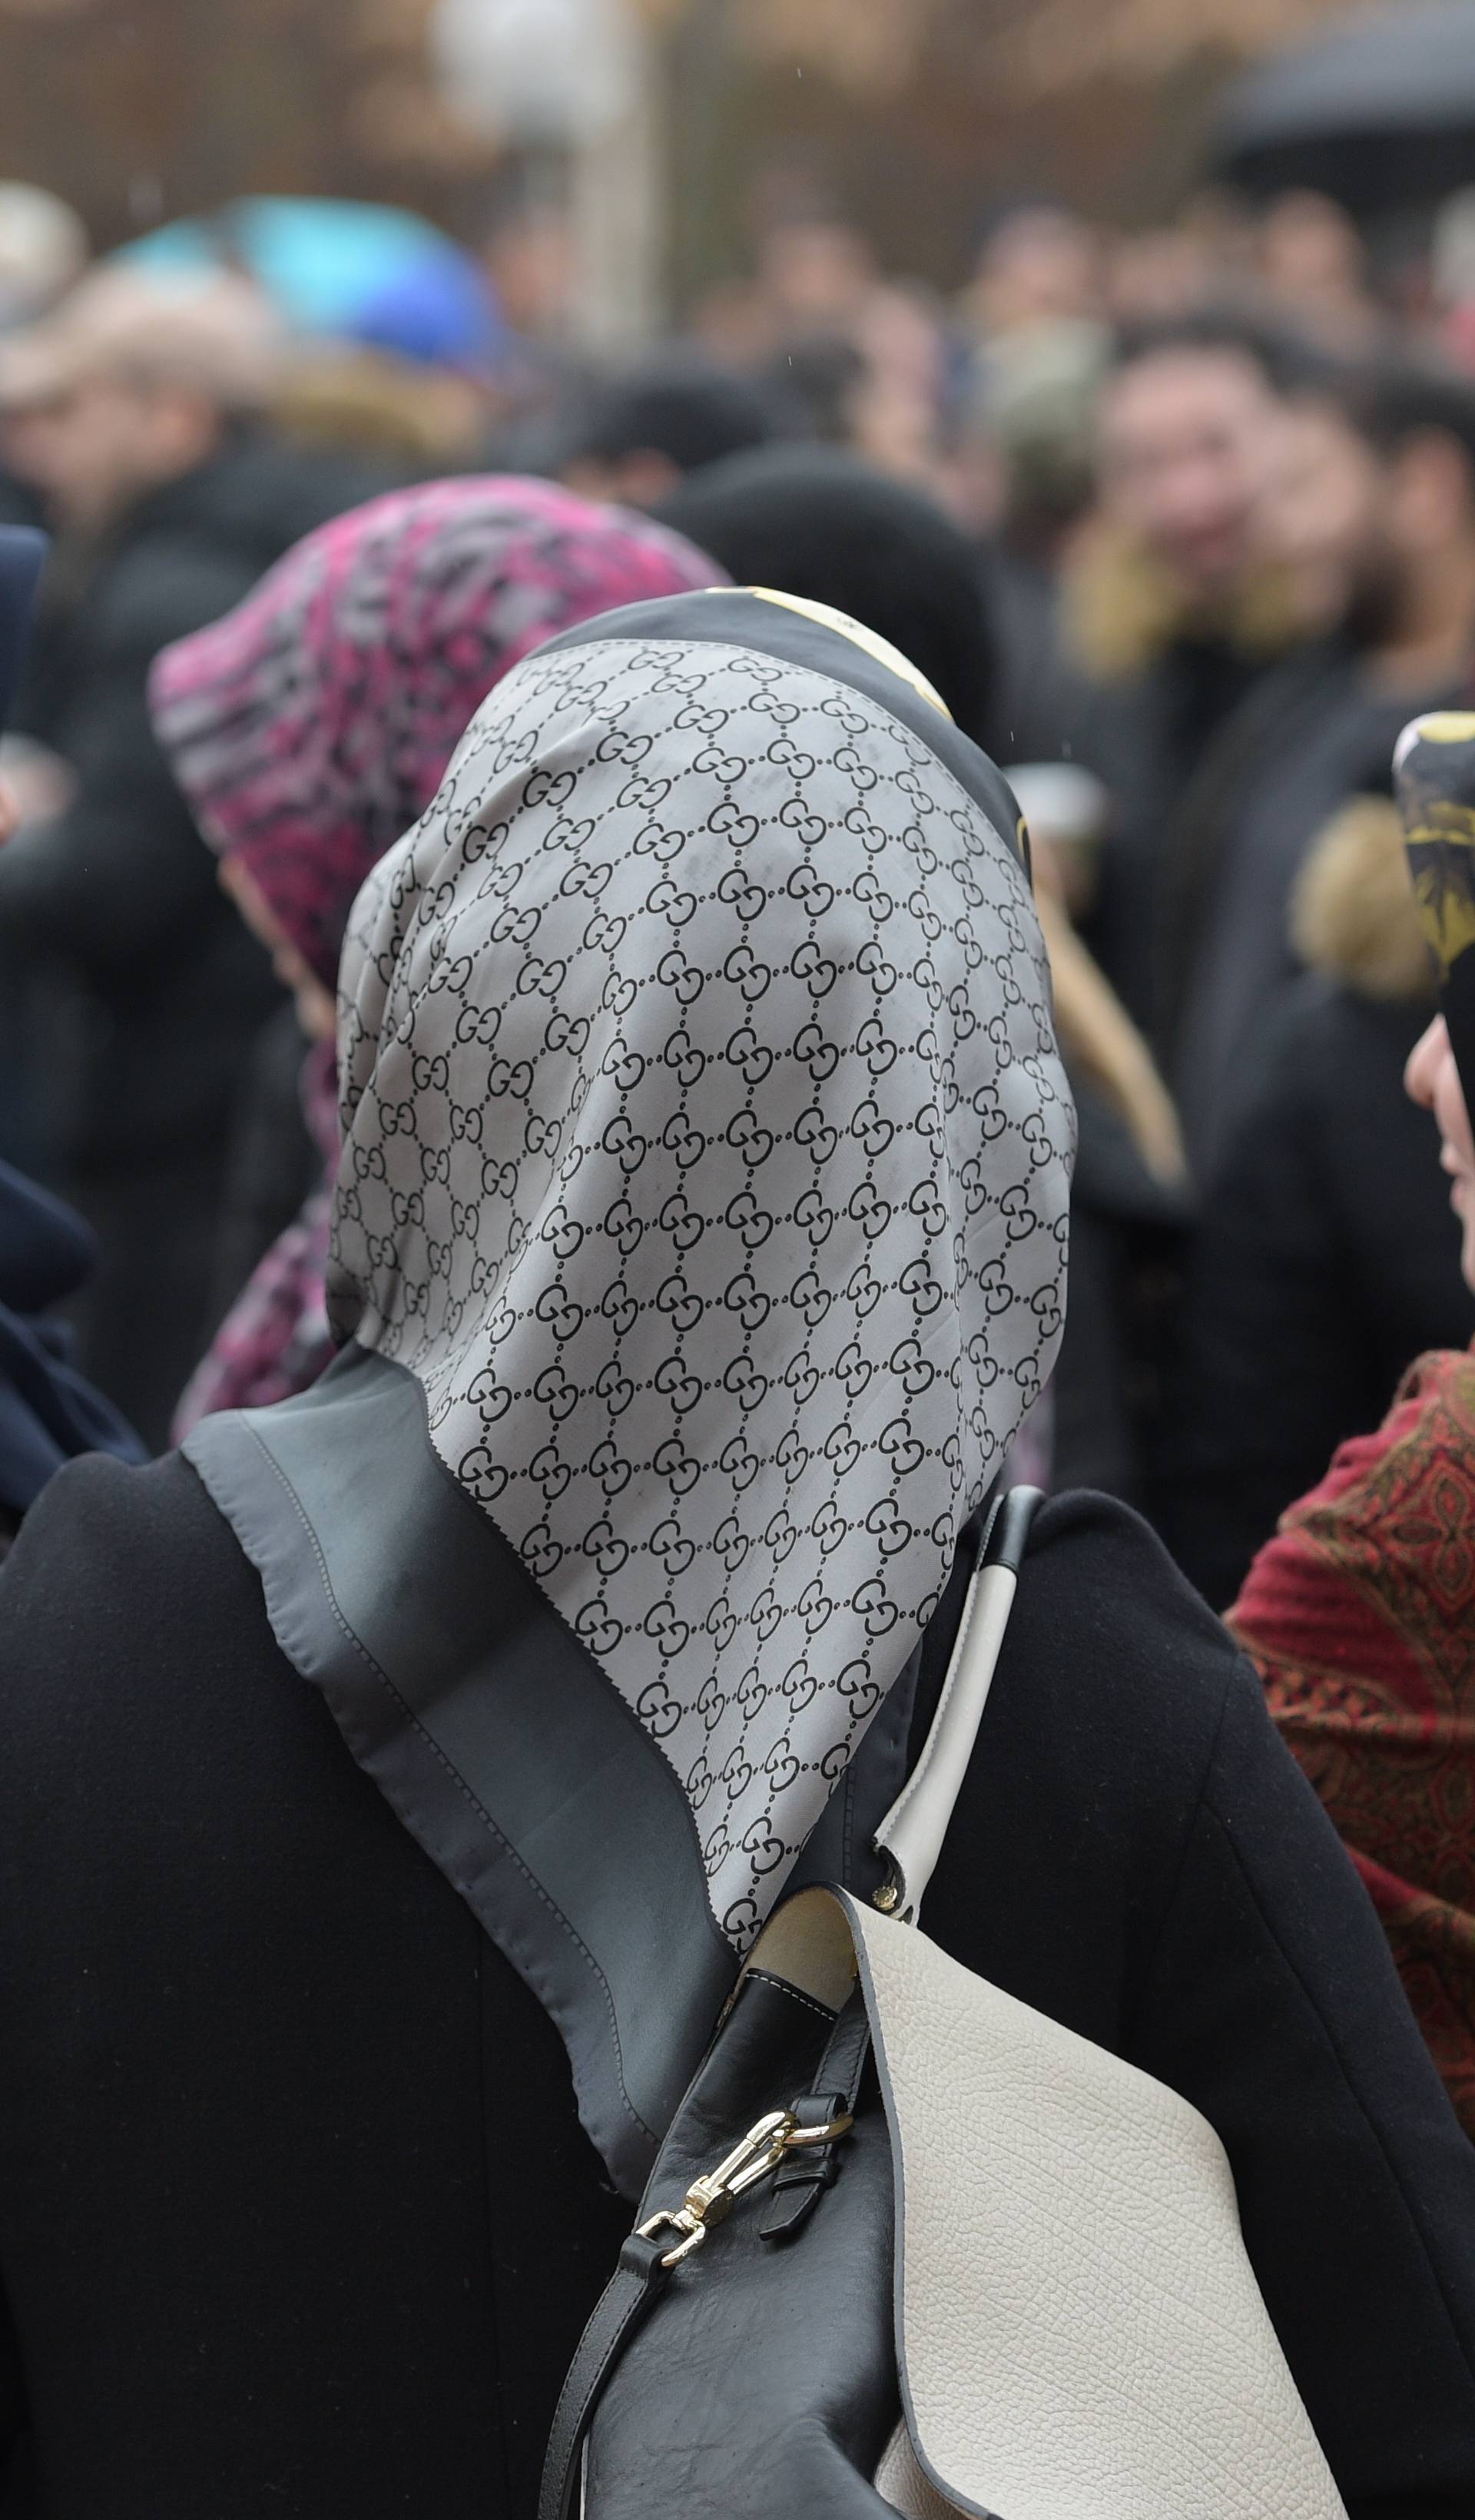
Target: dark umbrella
[1380,114]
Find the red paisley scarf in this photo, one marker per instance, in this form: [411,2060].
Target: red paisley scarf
[1361,1616]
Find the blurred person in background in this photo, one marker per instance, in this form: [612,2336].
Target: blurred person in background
[1021,471]
[531,255]
[1172,608]
[135,412]
[853,358]
[1130,1206]
[640,435]
[1325,1255]
[44,249]
[1391,490]
[1033,401]
[910,374]
[824,379]
[1313,268]
[1452,278]
[308,730]
[1038,264]
[377,406]
[811,271]
[1159,274]
[816,274]
[422,374]
[48,1414]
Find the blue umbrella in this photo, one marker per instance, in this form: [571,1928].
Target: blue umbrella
[358,269]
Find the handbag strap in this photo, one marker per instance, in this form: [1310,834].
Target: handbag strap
[910,1836]
[646,2258]
[637,2282]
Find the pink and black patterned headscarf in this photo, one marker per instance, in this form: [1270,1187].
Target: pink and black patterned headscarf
[313,724]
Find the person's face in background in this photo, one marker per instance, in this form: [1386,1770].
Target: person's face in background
[1188,440]
[1155,274]
[1432,1080]
[1041,266]
[1423,514]
[531,256]
[895,407]
[94,448]
[1314,263]
[1322,505]
[316,1011]
[816,275]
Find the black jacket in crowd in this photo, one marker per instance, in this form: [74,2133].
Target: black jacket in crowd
[272,1164]
[1145,736]
[1222,779]
[162,988]
[296,2213]
[1128,1239]
[1326,1259]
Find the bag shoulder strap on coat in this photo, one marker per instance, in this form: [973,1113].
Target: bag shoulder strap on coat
[912,1834]
[911,1838]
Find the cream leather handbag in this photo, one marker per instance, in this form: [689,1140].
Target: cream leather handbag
[1002,2276]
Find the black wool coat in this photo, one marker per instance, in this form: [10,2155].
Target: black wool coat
[1324,1261]
[297,2217]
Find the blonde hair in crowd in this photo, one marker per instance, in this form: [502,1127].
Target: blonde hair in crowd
[1101,1041]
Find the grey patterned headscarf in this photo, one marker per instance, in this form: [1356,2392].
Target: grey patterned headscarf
[706,1164]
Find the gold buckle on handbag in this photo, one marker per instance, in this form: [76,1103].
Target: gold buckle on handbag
[710,2200]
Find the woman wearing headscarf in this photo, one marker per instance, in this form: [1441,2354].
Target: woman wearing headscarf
[310,726]
[392,1780]
[1356,1610]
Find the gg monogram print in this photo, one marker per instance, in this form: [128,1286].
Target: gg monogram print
[707,1161]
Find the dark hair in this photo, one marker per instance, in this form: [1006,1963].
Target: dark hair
[1288,363]
[1389,400]
[819,374]
[682,407]
[813,521]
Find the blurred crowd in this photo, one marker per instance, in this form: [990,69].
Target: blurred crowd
[1181,526]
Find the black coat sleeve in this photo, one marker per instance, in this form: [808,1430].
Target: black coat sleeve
[1262,1376]
[1136,1853]
[13,2417]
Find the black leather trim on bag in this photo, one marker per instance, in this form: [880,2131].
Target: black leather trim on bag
[744,2386]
